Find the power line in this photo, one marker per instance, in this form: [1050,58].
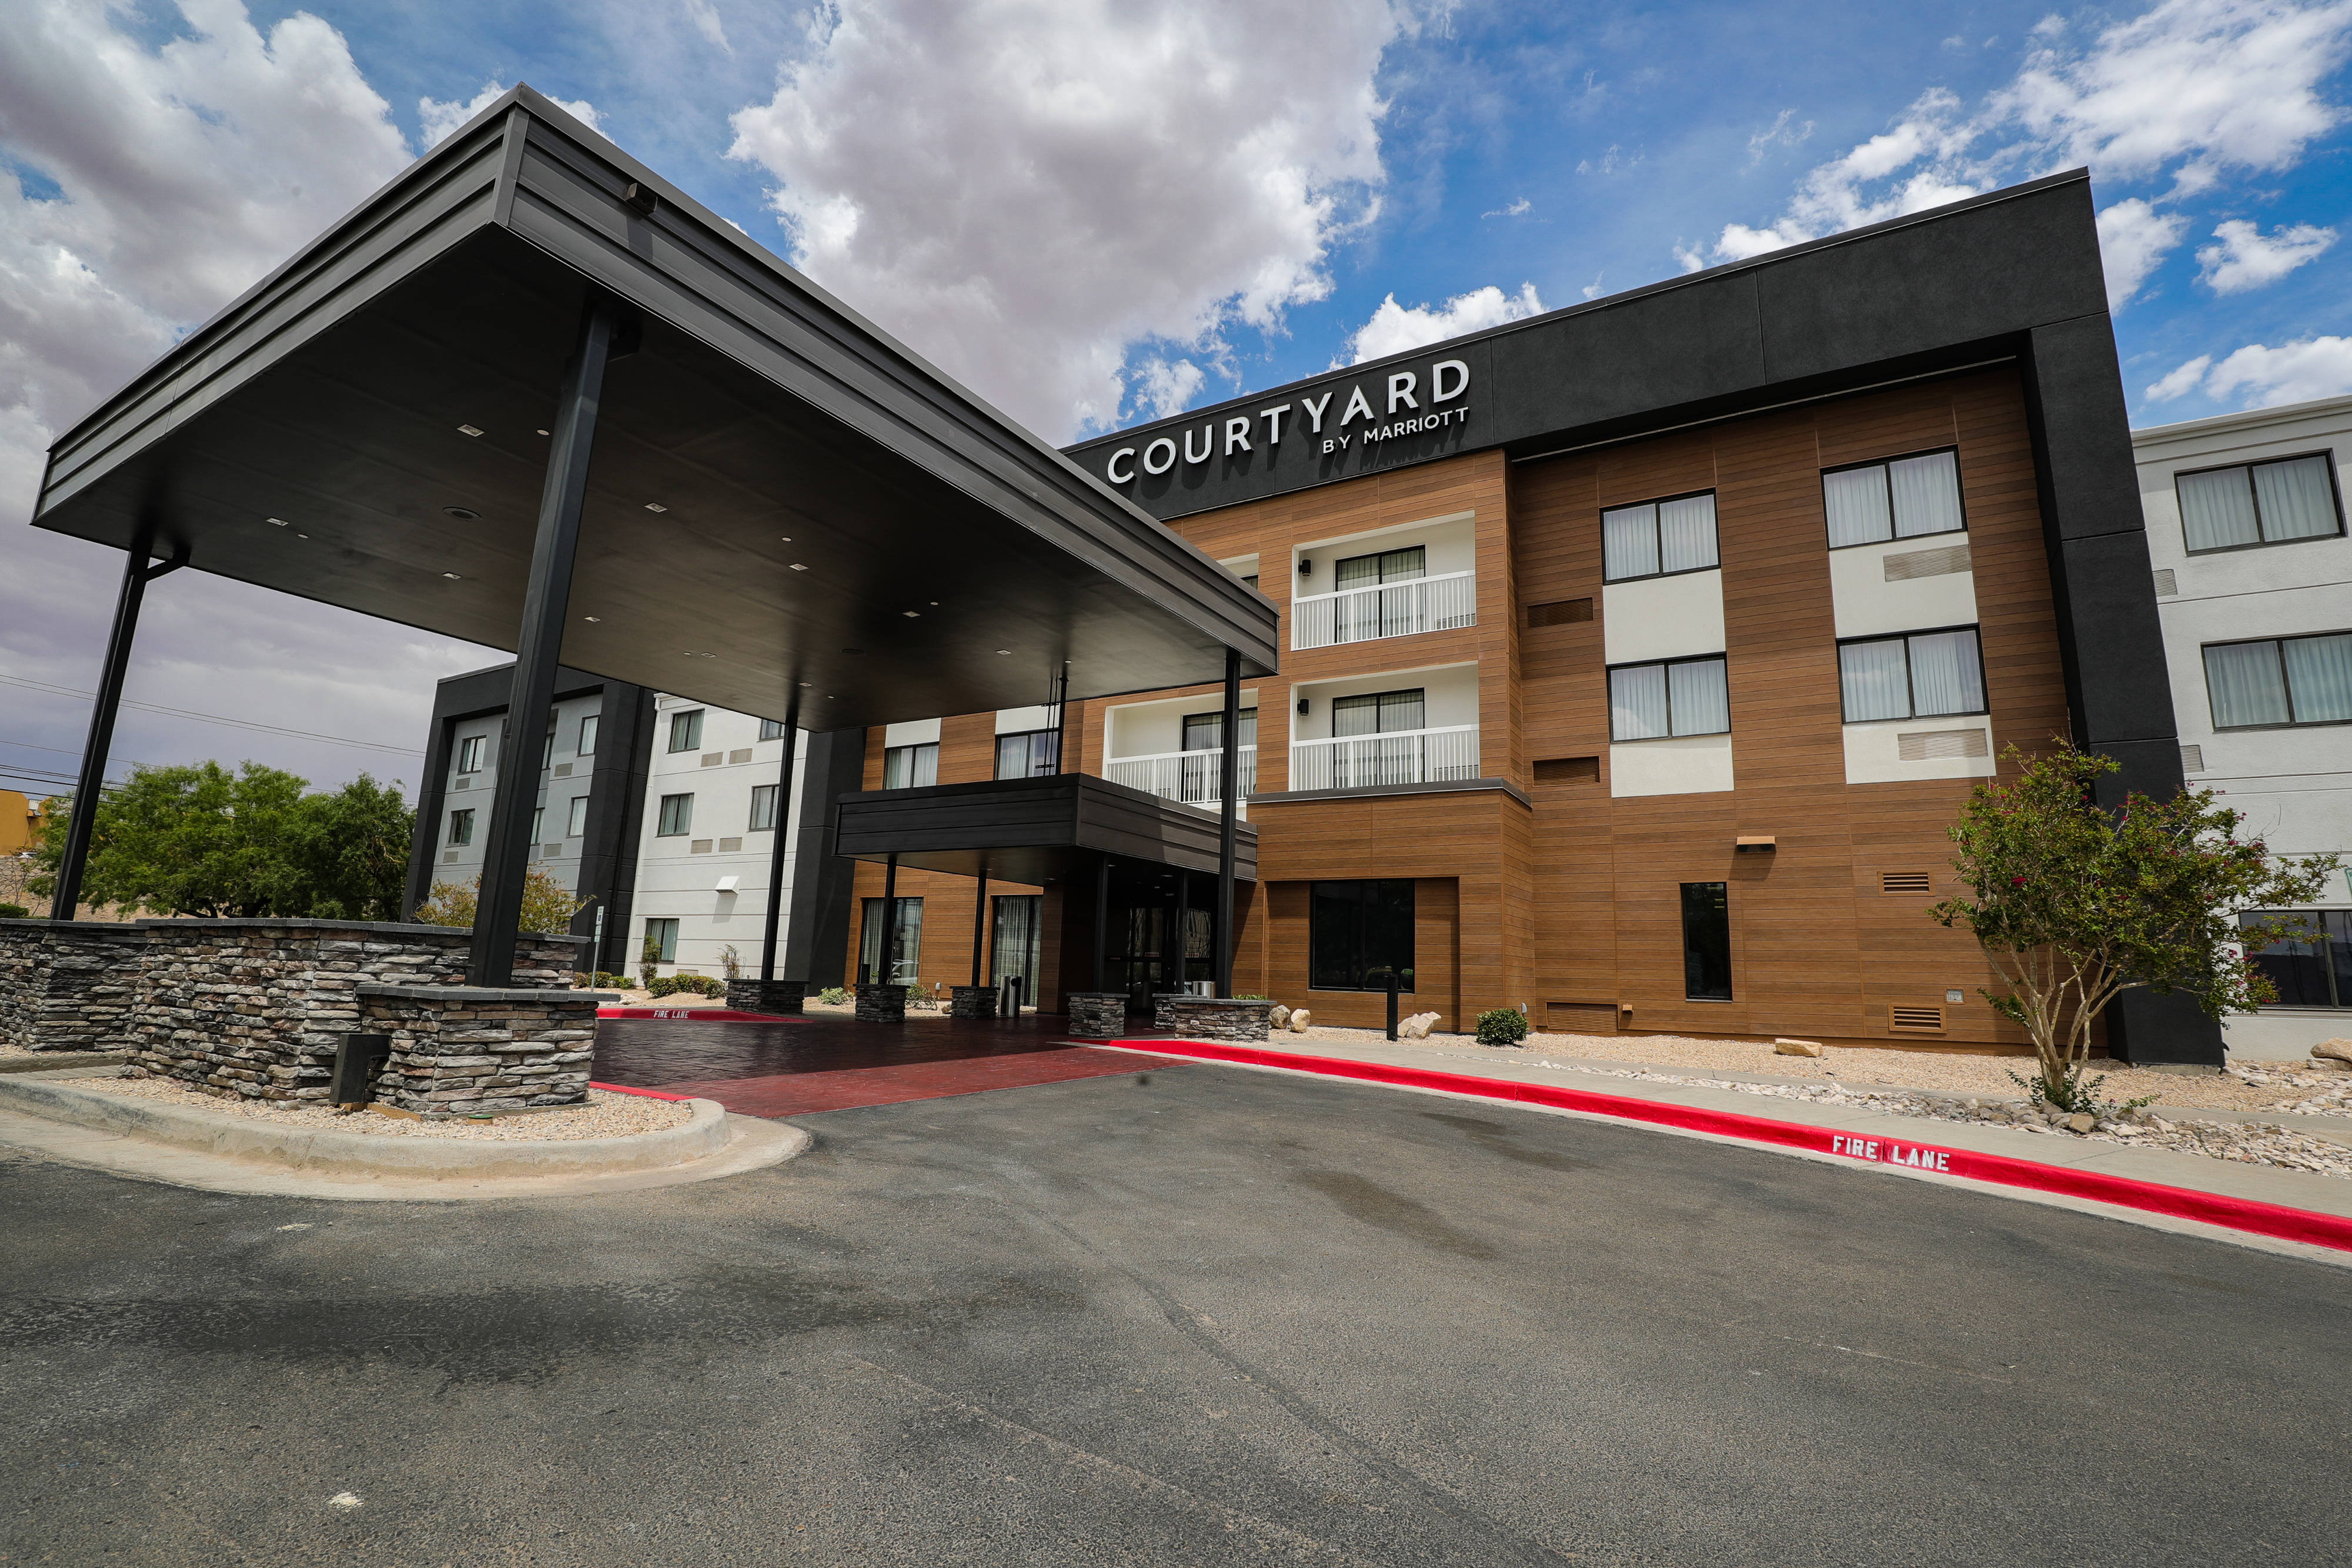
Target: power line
[217,718]
[61,751]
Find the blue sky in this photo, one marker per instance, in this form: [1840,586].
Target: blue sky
[1094,212]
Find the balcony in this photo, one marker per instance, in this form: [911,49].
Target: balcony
[1399,756]
[1193,777]
[1389,610]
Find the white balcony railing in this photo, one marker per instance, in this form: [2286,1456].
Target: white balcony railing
[1391,610]
[1194,778]
[1402,756]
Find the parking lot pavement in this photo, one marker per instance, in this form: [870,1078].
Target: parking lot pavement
[1187,1315]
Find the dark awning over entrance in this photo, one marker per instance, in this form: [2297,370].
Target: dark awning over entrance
[782,502]
[1033,830]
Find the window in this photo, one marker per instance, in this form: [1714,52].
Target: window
[547,752]
[469,753]
[905,959]
[763,807]
[461,826]
[538,823]
[2259,504]
[1904,498]
[1675,696]
[1923,676]
[587,747]
[1205,731]
[1706,941]
[910,767]
[2312,971]
[1017,943]
[677,817]
[2278,683]
[1376,713]
[685,730]
[1357,932]
[1387,566]
[1032,754]
[1658,538]
[661,941]
[771,729]
[575,821]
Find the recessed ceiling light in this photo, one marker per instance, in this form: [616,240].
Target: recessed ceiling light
[798,566]
[592,618]
[469,430]
[450,575]
[543,433]
[934,604]
[463,514]
[785,538]
[1003,650]
[808,686]
[279,521]
[655,507]
[301,536]
[912,614]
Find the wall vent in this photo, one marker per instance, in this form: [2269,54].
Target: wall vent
[743,756]
[2167,585]
[1905,881]
[1916,1020]
[2192,759]
[698,847]
[551,849]
[448,857]
[563,770]
[461,782]
[1568,770]
[713,758]
[1927,563]
[1559,612]
[729,846]
[1931,745]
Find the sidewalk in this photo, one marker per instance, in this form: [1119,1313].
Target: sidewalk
[2307,1214]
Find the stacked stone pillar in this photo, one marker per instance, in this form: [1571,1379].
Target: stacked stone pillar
[1212,1018]
[782,996]
[460,1049]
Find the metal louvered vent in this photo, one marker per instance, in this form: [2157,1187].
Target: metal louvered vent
[1568,770]
[1927,563]
[1905,881]
[743,755]
[1916,1019]
[2166,584]
[1932,745]
[1559,612]
[551,849]
[698,847]
[2192,759]
[713,758]
[448,857]
[563,770]
[729,846]
[462,782]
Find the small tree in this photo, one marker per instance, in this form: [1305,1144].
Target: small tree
[2074,904]
[546,905]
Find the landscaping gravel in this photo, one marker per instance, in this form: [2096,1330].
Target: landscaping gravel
[607,1114]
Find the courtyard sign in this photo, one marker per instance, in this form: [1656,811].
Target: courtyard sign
[1400,402]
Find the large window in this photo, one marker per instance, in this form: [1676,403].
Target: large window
[1673,696]
[1904,498]
[1925,674]
[1373,713]
[1356,933]
[1384,566]
[660,945]
[469,753]
[1031,754]
[2314,970]
[1706,941]
[1658,538]
[538,823]
[676,818]
[910,767]
[1205,731]
[1016,945]
[576,823]
[461,826]
[2280,681]
[763,807]
[685,730]
[588,736]
[906,948]
[771,729]
[2259,504]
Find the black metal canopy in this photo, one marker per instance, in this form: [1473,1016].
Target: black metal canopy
[782,501]
[1033,830]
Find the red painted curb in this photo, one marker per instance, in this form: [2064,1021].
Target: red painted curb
[649,1094]
[695,1015]
[2179,1202]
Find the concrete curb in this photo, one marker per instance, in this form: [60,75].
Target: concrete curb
[358,1153]
[60,1061]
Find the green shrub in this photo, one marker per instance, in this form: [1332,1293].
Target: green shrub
[15,912]
[832,997]
[1504,1026]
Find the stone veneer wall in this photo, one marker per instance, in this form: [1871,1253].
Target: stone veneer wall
[1211,1017]
[1098,1015]
[972,1002]
[460,1049]
[784,996]
[881,1003]
[66,985]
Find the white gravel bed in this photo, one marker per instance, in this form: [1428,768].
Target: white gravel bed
[607,1114]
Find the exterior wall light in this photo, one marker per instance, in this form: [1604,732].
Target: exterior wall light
[1303,705]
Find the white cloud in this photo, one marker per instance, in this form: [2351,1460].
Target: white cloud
[2134,240]
[1163,389]
[1394,329]
[2246,259]
[705,17]
[441,120]
[2258,376]
[2182,382]
[1028,189]
[1518,209]
[2191,89]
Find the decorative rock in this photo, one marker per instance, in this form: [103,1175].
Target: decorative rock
[1796,1048]
[2338,1050]
[1301,1020]
[2082,1122]
[1098,1015]
[1211,1017]
[1279,1016]
[1416,1027]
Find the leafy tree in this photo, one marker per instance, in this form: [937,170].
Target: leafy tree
[2074,904]
[547,905]
[348,850]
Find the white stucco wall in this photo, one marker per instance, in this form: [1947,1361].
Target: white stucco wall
[1661,617]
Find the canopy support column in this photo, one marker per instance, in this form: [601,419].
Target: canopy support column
[781,843]
[886,959]
[547,597]
[1102,923]
[138,571]
[1229,768]
[978,922]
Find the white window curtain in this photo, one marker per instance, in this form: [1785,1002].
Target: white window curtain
[2246,684]
[2216,510]
[1945,675]
[1927,494]
[2295,499]
[1872,681]
[1699,698]
[1855,501]
[1637,702]
[1355,715]
[2319,677]
[1686,534]
[1629,543]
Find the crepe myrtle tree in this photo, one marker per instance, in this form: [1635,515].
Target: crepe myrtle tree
[2075,903]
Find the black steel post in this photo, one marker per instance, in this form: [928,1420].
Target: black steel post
[781,844]
[137,573]
[1228,786]
[547,596]
[885,958]
[1184,932]
[1393,1001]
[978,922]
[1102,924]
